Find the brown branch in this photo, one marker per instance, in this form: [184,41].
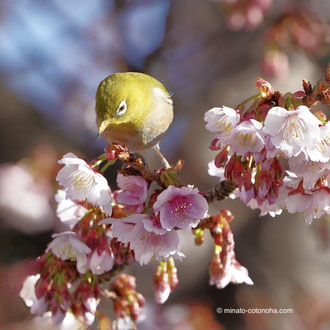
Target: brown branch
[220,192]
[205,223]
[136,161]
[320,92]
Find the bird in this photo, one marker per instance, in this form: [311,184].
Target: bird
[134,109]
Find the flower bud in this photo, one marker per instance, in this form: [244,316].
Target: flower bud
[222,157]
[127,301]
[199,236]
[215,144]
[265,88]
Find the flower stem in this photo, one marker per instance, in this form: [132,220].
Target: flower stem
[108,164]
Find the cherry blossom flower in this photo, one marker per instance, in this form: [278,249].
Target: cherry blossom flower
[235,273]
[82,182]
[298,203]
[224,267]
[248,137]
[27,293]
[309,171]
[67,210]
[320,151]
[180,207]
[135,189]
[292,131]
[67,245]
[319,205]
[146,237]
[309,205]
[223,121]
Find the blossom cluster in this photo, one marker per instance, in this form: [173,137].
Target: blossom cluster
[108,229]
[275,150]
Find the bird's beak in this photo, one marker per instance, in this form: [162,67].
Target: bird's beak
[104,124]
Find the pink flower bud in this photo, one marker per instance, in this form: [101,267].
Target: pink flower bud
[264,87]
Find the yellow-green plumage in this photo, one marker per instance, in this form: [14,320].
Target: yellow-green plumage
[148,115]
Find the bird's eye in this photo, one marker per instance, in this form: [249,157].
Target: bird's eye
[121,108]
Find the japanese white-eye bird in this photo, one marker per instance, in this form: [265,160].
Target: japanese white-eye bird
[133,109]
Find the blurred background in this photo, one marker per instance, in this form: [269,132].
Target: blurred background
[54,53]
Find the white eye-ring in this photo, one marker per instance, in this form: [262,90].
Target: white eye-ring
[121,108]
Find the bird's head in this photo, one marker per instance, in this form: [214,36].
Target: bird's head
[125,98]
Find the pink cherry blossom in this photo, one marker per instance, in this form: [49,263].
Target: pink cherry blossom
[248,137]
[319,206]
[309,171]
[224,267]
[298,203]
[68,211]
[235,273]
[309,205]
[320,151]
[27,293]
[292,131]
[180,207]
[82,182]
[134,189]
[146,237]
[223,121]
[67,245]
